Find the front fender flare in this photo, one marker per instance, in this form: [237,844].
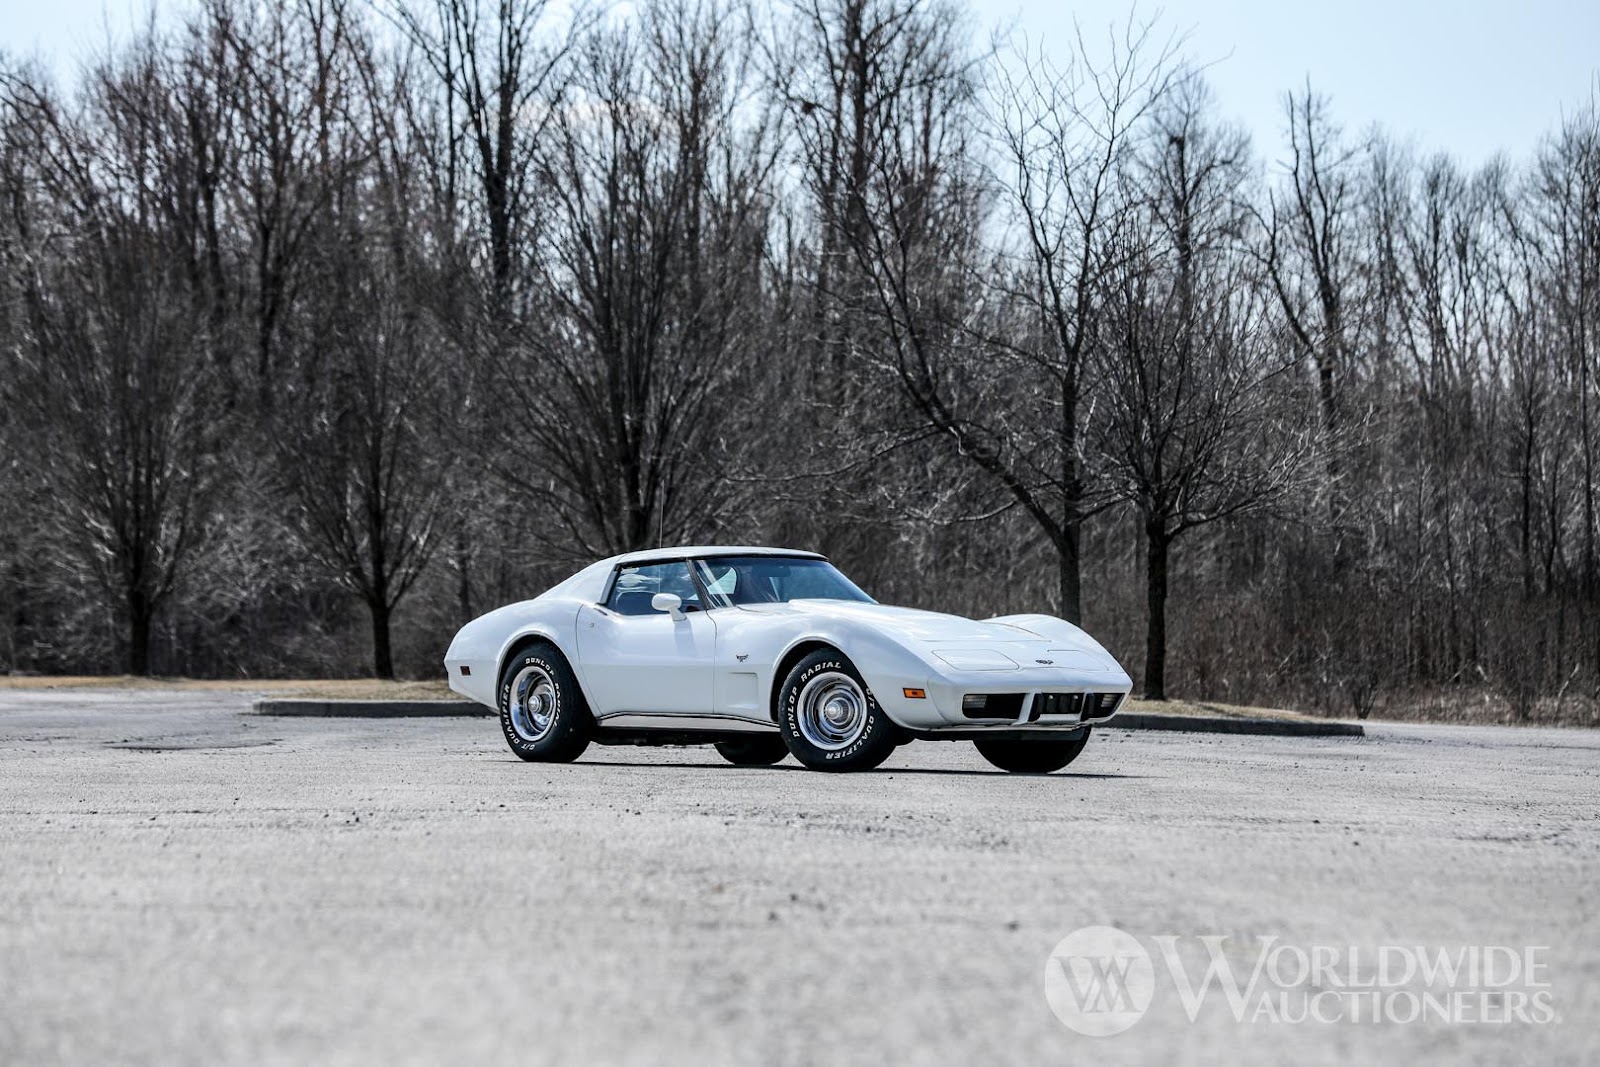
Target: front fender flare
[887,666]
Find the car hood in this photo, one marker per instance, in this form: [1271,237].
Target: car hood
[1062,644]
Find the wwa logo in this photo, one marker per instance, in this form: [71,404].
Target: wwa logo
[1100,981]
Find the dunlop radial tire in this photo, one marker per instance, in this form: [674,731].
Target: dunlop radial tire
[828,717]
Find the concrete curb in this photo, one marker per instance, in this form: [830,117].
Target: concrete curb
[368,709]
[1222,724]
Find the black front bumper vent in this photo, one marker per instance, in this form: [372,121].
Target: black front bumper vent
[1101,705]
[1055,704]
[992,705]
[1086,707]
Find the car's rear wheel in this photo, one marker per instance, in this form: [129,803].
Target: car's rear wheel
[542,711]
[756,752]
[828,717]
[1032,757]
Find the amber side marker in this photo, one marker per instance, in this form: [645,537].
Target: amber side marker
[465,669]
[914,694]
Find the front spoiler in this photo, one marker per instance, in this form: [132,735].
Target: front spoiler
[940,707]
[1006,733]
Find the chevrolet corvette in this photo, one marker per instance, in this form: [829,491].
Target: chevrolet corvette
[767,653]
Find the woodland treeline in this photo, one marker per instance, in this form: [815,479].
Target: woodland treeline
[326,325]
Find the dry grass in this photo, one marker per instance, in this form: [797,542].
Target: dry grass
[1208,709]
[1477,705]
[1455,706]
[328,689]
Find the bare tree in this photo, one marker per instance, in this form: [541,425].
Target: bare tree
[1311,256]
[846,70]
[499,64]
[113,385]
[864,85]
[287,86]
[1565,225]
[365,448]
[649,284]
[1199,423]
[17,210]
[1063,135]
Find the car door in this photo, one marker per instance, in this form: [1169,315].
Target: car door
[637,659]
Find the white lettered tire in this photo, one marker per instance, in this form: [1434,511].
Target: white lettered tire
[830,719]
[542,711]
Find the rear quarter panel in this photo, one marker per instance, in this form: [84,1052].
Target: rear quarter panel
[483,643]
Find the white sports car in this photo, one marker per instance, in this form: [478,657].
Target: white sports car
[770,652]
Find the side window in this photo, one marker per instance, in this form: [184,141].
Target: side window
[721,581]
[635,586]
[802,583]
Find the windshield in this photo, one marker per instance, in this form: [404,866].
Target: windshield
[774,580]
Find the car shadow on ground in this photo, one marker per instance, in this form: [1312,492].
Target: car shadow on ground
[709,765]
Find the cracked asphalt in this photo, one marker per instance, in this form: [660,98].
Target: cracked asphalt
[183,882]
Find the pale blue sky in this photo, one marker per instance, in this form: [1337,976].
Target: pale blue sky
[1469,77]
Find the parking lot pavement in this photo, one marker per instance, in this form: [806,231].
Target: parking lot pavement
[181,882]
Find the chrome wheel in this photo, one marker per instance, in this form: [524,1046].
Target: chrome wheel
[832,711]
[533,703]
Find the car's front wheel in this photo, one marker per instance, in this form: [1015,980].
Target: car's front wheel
[830,719]
[754,752]
[542,711]
[1032,757]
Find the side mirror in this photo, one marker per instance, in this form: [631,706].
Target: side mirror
[671,603]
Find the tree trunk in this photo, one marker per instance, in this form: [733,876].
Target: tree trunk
[139,616]
[463,576]
[382,657]
[18,623]
[1070,606]
[1525,514]
[1069,546]
[1590,583]
[1157,543]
